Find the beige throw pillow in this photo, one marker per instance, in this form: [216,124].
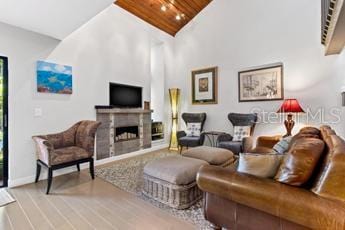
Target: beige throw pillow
[260,165]
[241,132]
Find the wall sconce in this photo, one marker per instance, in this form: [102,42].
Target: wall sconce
[343,95]
[174,102]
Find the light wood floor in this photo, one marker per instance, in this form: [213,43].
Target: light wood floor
[77,202]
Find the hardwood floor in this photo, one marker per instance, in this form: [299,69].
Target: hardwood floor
[77,202]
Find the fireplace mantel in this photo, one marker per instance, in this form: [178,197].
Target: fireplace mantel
[123,111]
[108,142]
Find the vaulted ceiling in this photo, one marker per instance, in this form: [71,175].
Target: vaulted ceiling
[55,18]
[167,15]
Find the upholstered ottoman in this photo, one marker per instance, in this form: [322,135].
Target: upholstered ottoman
[171,181]
[214,156]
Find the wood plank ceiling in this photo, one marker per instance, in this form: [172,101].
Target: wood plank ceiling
[168,15]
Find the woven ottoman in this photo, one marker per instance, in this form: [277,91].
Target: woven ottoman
[214,156]
[172,181]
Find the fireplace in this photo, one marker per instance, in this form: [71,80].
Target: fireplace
[126,133]
[122,131]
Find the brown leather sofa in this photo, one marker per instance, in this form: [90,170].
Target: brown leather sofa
[240,201]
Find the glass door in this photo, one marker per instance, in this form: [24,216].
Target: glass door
[3,121]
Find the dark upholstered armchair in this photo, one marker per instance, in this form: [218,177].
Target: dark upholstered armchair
[71,147]
[186,141]
[238,119]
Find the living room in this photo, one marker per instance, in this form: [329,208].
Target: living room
[163,49]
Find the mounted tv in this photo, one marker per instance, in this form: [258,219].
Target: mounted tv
[125,96]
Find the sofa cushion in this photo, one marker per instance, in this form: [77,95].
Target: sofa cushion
[306,132]
[261,165]
[174,169]
[300,162]
[233,146]
[189,141]
[68,154]
[214,156]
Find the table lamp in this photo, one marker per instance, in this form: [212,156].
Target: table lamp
[290,106]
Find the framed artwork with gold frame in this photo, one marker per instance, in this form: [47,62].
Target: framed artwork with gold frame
[205,86]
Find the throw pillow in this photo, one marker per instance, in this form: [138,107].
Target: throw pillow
[241,132]
[193,129]
[300,162]
[282,146]
[260,165]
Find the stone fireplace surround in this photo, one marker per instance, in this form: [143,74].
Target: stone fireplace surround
[115,136]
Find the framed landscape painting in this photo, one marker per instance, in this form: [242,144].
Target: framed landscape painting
[205,86]
[264,84]
[54,78]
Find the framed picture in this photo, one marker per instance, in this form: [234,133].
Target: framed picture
[205,86]
[264,84]
[54,78]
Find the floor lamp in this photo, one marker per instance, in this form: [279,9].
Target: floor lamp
[174,102]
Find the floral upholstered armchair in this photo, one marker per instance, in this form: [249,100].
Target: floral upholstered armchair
[71,147]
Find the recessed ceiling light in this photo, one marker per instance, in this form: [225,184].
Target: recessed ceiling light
[164,8]
[178,17]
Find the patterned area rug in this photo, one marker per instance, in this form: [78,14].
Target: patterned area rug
[128,175]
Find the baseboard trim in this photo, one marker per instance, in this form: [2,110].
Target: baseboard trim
[31,179]
[132,154]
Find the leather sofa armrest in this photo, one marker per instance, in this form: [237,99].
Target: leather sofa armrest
[267,141]
[291,203]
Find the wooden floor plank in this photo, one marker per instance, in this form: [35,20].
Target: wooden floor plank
[4,220]
[38,219]
[77,202]
[92,217]
[133,216]
[17,217]
[76,220]
[53,214]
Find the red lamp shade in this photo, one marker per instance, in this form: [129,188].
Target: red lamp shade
[290,106]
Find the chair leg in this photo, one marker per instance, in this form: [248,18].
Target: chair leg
[50,178]
[92,169]
[38,172]
[78,167]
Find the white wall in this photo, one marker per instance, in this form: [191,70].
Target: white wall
[113,47]
[236,35]
[23,49]
[157,81]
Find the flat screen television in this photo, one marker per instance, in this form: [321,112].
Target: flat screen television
[125,96]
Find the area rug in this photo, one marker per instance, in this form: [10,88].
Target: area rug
[128,175]
[5,197]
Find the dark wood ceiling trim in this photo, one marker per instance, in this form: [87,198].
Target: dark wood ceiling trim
[145,14]
[150,11]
